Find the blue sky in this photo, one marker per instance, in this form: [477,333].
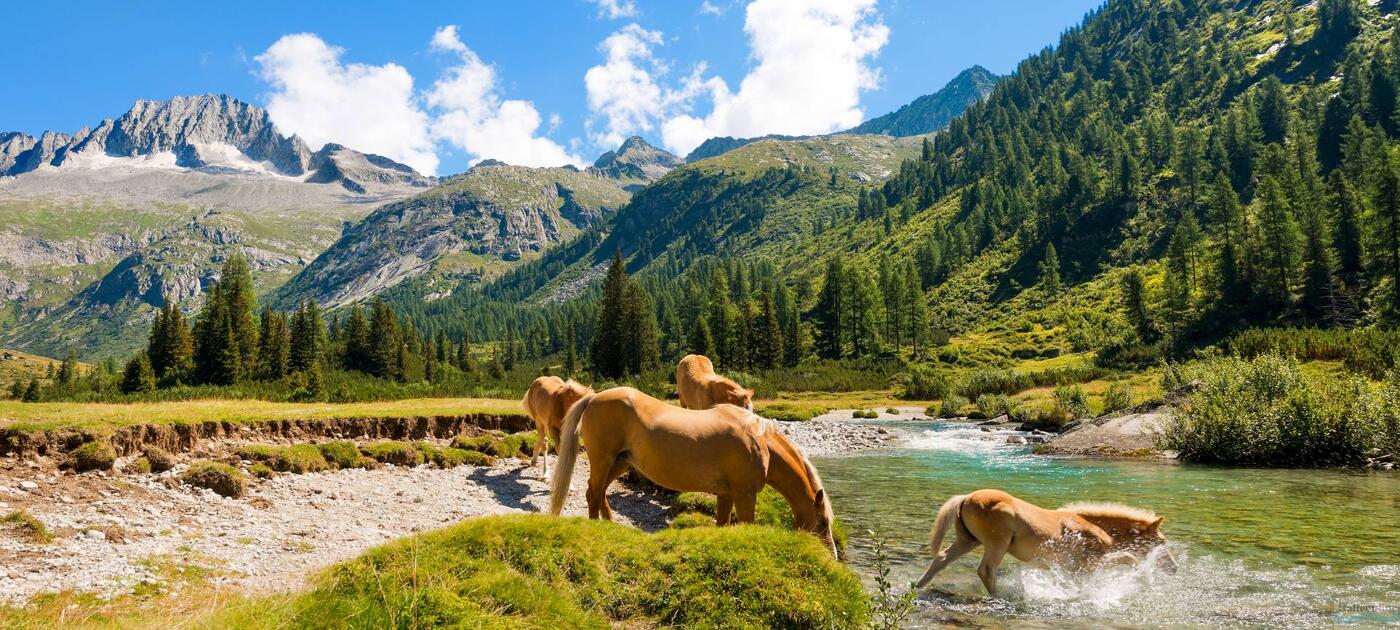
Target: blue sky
[477,89]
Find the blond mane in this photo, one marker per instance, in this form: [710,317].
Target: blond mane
[1110,510]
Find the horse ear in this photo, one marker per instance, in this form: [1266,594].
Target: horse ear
[821,496]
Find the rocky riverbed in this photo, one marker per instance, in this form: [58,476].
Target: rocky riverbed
[838,432]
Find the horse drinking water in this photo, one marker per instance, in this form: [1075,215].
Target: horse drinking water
[1079,536]
[726,451]
[699,387]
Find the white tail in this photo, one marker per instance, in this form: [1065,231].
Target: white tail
[943,521]
[567,455]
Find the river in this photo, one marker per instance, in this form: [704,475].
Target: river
[1255,547]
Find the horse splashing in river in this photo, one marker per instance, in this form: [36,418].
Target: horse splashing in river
[726,451]
[547,401]
[1078,536]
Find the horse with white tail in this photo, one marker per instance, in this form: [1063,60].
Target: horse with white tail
[1078,536]
[726,451]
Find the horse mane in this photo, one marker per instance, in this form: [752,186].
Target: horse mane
[1110,510]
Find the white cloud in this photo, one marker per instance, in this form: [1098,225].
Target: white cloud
[710,8]
[472,116]
[811,64]
[368,108]
[614,9]
[623,95]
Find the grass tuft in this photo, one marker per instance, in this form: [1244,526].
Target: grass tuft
[31,527]
[223,479]
[94,455]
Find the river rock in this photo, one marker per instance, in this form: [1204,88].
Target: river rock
[1015,439]
[28,485]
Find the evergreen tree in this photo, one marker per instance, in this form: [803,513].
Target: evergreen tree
[138,377]
[308,337]
[1384,226]
[386,342]
[170,348]
[226,337]
[1050,271]
[31,393]
[359,355]
[1348,240]
[1229,215]
[274,345]
[68,370]
[571,350]
[609,355]
[830,311]
[1319,289]
[701,342]
[1278,246]
[641,342]
[862,315]
[1135,305]
[791,322]
[768,336]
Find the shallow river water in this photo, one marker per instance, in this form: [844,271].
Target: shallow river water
[1255,548]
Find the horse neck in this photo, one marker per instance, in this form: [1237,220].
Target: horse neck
[1119,528]
[787,473]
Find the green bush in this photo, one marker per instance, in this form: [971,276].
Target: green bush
[864,414]
[296,458]
[1072,400]
[393,452]
[923,382]
[223,479]
[520,444]
[951,406]
[488,444]
[1118,397]
[93,455]
[261,471]
[449,457]
[789,411]
[993,405]
[1264,411]
[1368,351]
[340,453]
[160,459]
[991,381]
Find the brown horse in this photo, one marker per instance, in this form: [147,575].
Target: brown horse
[547,400]
[1080,536]
[725,451]
[701,388]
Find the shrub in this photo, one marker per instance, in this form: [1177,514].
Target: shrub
[488,444]
[992,381]
[1072,400]
[393,452]
[93,455]
[993,405]
[1174,376]
[864,414]
[952,406]
[261,471]
[1130,355]
[141,466]
[1367,351]
[790,412]
[296,458]
[1264,411]
[223,479]
[31,527]
[892,411]
[160,459]
[1118,397]
[518,444]
[923,382]
[340,453]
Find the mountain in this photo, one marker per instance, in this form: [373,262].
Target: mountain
[476,225]
[926,114]
[100,227]
[933,112]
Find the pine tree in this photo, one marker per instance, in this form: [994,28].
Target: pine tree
[31,393]
[68,370]
[226,337]
[1135,305]
[768,336]
[1348,240]
[701,342]
[508,361]
[1278,246]
[916,316]
[308,337]
[170,347]
[241,306]
[571,350]
[1229,215]
[274,346]
[829,313]
[791,322]
[386,342]
[609,354]
[640,340]
[1319,288]
[1384,226]
[138,377]
[358,353]
[1050,271]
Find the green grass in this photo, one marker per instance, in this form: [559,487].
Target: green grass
[92,455]
[31,527]
[297,458]
[790,411]
[107,417]
[524,571]
[221,478]
[393,452]
[448,457]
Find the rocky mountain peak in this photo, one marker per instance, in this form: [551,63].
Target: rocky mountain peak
[636,159]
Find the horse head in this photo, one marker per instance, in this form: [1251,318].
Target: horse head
[1133,529]
[739,397]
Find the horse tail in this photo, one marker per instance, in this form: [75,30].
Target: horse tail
[952,509]
[567,455]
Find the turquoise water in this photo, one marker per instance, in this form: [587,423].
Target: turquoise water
[1256,548]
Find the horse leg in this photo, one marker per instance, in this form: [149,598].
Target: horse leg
[954,551]
[540,442]
[598,468]
[619,467]
[724,507]
[745,503]
[991,558]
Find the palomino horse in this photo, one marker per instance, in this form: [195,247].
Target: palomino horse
[725,451]
[701,388]
[547,400]
[1079,536]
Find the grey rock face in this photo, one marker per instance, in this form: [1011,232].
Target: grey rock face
[195,129]
[636,159]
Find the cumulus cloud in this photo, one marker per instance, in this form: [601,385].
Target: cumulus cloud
[811,62]
[472,116]
[710,8]
[614,9]
[623,94]
[366,107]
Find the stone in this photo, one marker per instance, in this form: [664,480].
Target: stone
[95,534]
[1015,439]
[29,485]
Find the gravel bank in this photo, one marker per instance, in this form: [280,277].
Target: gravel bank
[840,432]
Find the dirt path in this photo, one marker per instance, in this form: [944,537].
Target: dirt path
[112,529]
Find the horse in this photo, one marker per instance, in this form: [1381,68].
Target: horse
[700,387]
[546,401]
[726,451]
[1079,536]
